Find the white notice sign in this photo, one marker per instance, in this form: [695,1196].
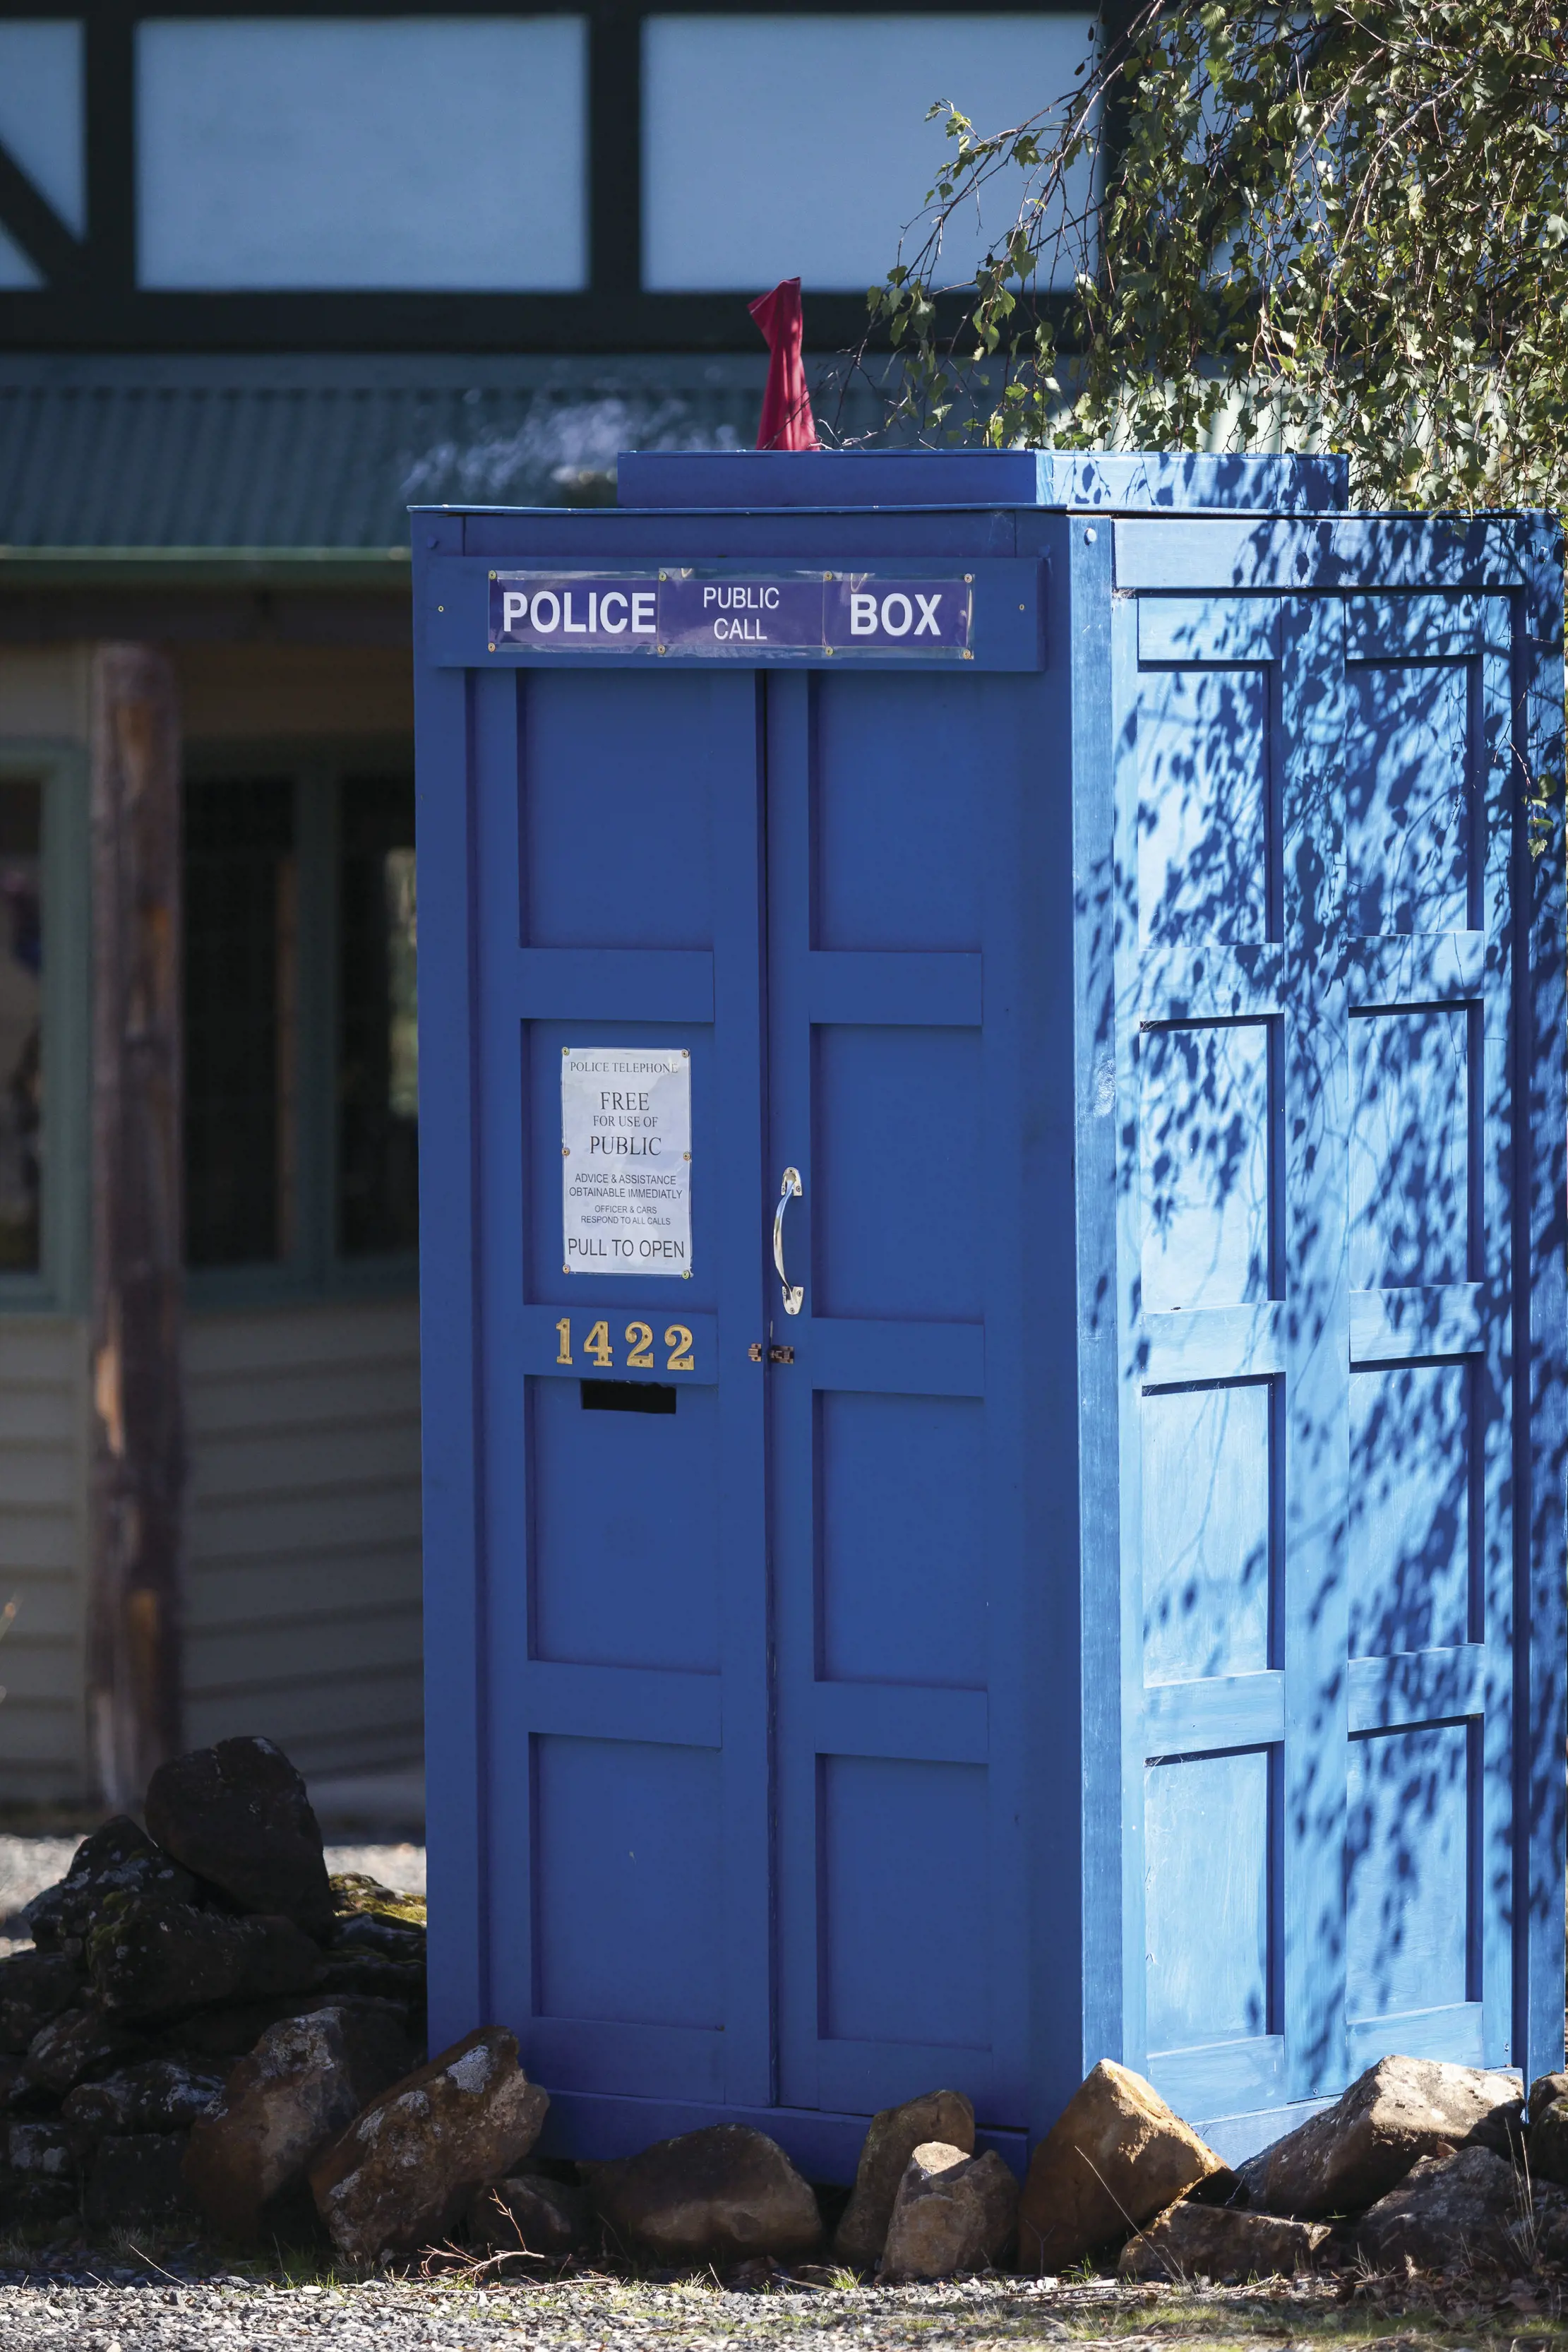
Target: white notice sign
[626,1160]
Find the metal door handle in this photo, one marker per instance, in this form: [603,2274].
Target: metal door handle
[790,1189]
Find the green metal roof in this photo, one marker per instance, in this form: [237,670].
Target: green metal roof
[183,470]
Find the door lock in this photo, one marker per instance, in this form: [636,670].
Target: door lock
[780,1355]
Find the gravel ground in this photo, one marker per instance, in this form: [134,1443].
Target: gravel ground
[166,2314]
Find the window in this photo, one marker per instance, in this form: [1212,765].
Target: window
[21,1025]
[402,152]
[775,146]
[378,1064]
[240,1046]
[42,117]
[301,1054]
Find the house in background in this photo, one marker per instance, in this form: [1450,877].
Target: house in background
[265,279]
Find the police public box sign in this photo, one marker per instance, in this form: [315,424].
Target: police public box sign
[626,1158]
[818,613]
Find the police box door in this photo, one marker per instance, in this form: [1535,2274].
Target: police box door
[617,870]
[897,1171]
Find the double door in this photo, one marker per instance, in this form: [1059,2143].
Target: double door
[753,1839]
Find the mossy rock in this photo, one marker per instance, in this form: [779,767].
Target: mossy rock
[355,1896]
[113,1912]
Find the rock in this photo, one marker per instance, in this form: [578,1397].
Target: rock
[117,1859]
[150,1960]
[1549,2143]
[372,1976]
[33,1988]
[725,2192]
[136,2182]
[31,2201]
[1468,2206]
[1545,2092]
[952,2213]
[157,2096]
[366,1932]
[80,2046]
[238,1817]
[892,2140]
[530,2214]
[1220,2241]
[48,2150]
[216,2037]
[1114,2158]
[303,2084]
[356,1897]
[403,2173]
[1355,2152]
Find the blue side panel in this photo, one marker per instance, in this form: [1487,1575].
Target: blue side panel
[1408,1864]
[1318,1284]
[1541,1310]
[1429,945]
[1209,1478]
[1105,1862]
[1206,1837]
[1312,1284]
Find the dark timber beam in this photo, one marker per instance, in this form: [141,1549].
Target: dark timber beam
[71,616]
[138,1422]
[32,223]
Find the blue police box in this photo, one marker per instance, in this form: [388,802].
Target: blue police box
[992,1189]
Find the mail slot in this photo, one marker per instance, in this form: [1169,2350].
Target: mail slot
[992,1172]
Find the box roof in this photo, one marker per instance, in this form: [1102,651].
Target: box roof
[950,478]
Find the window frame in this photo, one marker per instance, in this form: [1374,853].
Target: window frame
[314,1271]
[90,300]
[59,1283]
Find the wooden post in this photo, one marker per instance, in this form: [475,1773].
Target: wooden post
[138,1221]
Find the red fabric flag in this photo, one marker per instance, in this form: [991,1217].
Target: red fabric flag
[787,420]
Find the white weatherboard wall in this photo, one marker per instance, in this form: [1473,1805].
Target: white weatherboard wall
[798,146]
[44,1404]
[303,1613]
[302,1550]
[302,1583]
[416,152]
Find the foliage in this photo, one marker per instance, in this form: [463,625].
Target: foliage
[1343,225]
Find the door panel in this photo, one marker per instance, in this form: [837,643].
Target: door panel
[889,1100]
[885,1070]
